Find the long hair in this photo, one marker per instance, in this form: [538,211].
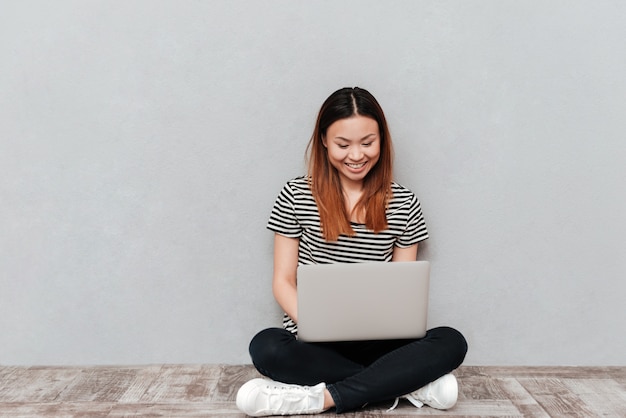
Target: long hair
[324,178]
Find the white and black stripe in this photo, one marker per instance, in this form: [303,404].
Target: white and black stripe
[295,215]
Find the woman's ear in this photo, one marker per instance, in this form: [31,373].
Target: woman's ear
[324,141]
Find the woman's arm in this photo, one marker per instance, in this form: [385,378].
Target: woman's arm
[284,280]
[405,254]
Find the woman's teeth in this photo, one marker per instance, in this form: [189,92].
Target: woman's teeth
[355,165]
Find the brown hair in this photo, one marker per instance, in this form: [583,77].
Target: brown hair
[324,178]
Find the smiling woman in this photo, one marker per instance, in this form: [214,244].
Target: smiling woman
[353,149]
[350,163]
[347,210]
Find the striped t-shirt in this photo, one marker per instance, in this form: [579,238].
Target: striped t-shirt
[295,215]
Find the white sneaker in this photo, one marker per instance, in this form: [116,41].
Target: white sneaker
[263,397]
[440,394]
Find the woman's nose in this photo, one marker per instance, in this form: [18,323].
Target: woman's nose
[356,153]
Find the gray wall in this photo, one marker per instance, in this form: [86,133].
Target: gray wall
[143,143]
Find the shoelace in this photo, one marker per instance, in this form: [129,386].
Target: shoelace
[416,402]
[286,395]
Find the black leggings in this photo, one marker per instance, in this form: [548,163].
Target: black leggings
[359,372]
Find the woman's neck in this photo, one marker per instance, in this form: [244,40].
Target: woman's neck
[352,193]
[351,187]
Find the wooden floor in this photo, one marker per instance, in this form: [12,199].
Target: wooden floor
[210,390]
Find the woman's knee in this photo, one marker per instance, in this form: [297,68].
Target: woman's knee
[266,346]
[454,342]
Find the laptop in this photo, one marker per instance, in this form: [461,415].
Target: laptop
[362,301]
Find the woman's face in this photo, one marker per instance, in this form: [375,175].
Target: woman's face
[353,146]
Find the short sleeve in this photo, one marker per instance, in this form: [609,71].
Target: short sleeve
[283,219]
[415,229]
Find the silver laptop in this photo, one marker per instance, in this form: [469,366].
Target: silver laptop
[362,301]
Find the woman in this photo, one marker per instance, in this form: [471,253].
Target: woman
[348,209]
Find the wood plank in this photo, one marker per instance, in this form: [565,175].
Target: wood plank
[464,408]
[174,383]
[204,386]
[176,409]
[231,379]
[605,397]
[55,409]
[523,401]
[480,387]
[7,371]
[572,372]
[10,378]
[210,390]
[38,384]
[98,384]
[192,409]
[144,378]
[555,397]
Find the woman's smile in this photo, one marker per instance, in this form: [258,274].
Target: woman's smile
[353,146]
[356,166]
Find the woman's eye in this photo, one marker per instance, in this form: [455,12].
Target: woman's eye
[342,146]
[367,144]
